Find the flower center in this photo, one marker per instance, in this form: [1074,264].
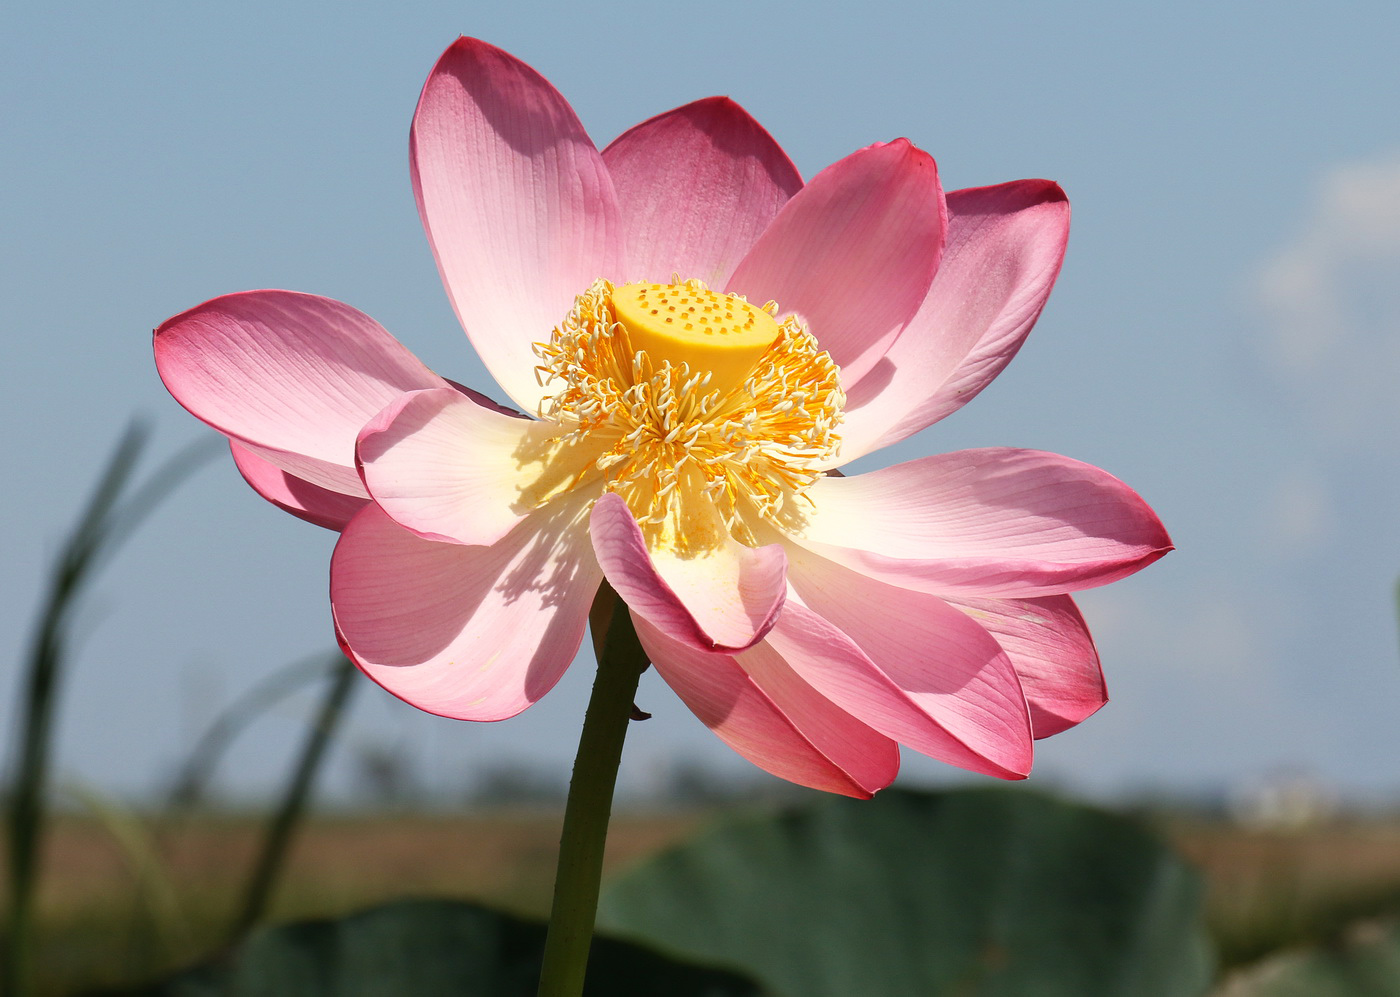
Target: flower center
[685,323]
[697,430]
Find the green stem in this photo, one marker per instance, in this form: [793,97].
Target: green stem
[279,832]
[620,666]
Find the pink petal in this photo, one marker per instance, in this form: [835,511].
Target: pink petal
[853,253]
[995,522]
[1005,245]
[516,201]
[909,665]
[725,598]
[447,467]
[475,633]
[1051,649]
[773,718]
[294,375]
[486,400]
[697,186]
[288,492]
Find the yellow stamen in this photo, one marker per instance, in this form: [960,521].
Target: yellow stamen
[677,441]
[685,323]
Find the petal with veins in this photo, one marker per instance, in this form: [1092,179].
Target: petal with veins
[774,719]
[724,598]
[853,253]
[1005,246]
[1052,652]
[995,522]
[474,633]
[516,201]
[696,187]
[302,499]
[293,375]
[907,664]
[447,468]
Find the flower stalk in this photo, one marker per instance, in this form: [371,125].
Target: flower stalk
[621,662]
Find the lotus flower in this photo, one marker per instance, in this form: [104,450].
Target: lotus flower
[700,340]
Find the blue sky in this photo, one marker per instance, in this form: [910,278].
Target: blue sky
[1224,337]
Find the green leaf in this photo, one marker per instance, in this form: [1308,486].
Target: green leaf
[1364,962]
[993,893]
[432,948]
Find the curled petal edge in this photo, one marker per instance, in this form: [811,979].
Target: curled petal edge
[726,599]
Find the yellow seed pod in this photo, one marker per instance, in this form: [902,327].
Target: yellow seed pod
[685,323]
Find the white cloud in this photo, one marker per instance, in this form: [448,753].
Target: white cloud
[1330,304]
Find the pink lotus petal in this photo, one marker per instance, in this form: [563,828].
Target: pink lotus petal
[1005,245]
[853,253]
[448,468]
[293,375]
[475,633]
[486,401]
[909,665]
[302,499]
[516,201]
[724,599]
[697,186]
[1051,649]
[774,719]
[995,522]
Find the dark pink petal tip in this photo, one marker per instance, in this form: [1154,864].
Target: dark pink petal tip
[854,252]
[1004,249]
[292,375]
[1050,647]
[696,187]
[995,522]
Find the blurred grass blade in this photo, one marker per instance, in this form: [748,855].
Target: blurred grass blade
[191,785]
[148,869]
[104,524]
[46,658]
[273,856]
